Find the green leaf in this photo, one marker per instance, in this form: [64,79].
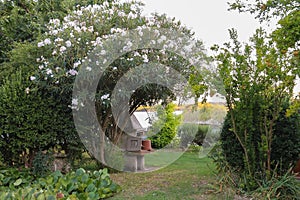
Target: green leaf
[90,188]
[51,197]
[79,172]
[85,178]
[18,182]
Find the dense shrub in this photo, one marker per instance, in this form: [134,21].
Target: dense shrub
[31,121]
[165,128]
[285,146]
[286,143]
[192,133]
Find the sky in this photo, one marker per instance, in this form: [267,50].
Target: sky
[209,19]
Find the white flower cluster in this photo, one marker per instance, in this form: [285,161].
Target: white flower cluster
[78,33]
[47,41]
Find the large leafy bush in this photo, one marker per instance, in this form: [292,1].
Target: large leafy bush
[165,128]
[30,122]
[285,147]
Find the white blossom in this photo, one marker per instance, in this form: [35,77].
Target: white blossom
[46,63]
[32,78]
[141,33]
[128,46]
[78,29]
[132,15]
[74,103]
[136,54]
[27,90]
[41,44]
[84,28]
[49,71]
[47,41]
[73,72]
[54,32]
[56,22]
[76,64]
[91,29]
[58,40]
[78,12]
[54,52]
[104,97]
[121,14]
[103,52]
[162,38]
[145,58]
[68,43]
[89,69]
[62,49]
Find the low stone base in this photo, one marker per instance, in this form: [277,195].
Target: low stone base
[135,161]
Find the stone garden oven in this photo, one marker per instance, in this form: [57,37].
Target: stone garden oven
[136,146]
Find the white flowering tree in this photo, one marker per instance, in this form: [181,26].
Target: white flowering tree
[66,45]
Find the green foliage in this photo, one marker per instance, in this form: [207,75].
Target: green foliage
[24,21]
[74,185]
[231,148]
[285,187]
[259,81]
[195,148]
[285,144]
[12,178]
[42,119]
[267,9]
[165,128]
[41,164]
[192,133]
[63,62]
[287,35]
[31,121]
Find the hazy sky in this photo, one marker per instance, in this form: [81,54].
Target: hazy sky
[209,19]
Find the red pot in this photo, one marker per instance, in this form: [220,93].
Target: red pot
[146,145]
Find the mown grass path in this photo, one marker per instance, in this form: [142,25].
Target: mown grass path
[189,177]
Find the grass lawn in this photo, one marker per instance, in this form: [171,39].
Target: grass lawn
[189,177]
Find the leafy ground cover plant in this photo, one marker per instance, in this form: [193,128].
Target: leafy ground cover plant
[79,184]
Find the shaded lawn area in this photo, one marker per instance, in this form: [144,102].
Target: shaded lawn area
[189,177]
